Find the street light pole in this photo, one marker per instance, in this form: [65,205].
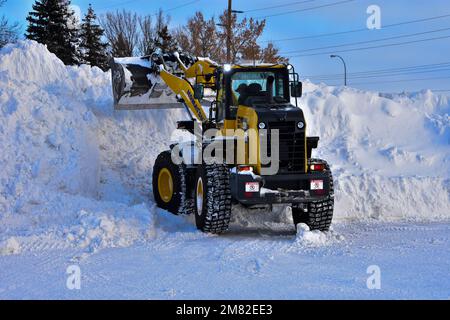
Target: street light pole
[345,66]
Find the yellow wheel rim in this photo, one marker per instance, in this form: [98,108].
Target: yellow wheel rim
[199,196]
[165,185]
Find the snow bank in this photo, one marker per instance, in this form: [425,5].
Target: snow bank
[48,135]
[52,176]
[391,135]
[77,173]
[372,196]
[389,152]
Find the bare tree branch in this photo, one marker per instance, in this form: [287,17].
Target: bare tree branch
[147,36]
[8,32]
[122,32]
[243,34]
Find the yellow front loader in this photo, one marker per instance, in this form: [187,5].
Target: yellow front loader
[250,146]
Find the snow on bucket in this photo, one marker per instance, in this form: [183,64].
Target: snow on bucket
[137,85]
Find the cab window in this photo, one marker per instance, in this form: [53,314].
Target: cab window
[254,84]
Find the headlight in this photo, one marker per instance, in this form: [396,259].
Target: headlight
[227,67]
[262,125]
[300,125]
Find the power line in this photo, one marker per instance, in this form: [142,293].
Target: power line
[383,70]
[368,41]
[279,6]
[371,47]
[405,80]
[358,30]
[182,5]
[379,73]
[306,9]
[396,74]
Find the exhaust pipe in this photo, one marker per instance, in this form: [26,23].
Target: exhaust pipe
[269,89]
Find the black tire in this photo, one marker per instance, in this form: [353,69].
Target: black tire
[319,213]
[213,214]
[180,202]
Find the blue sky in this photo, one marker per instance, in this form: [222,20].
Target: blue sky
[343,17]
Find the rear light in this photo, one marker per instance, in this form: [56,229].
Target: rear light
[317,167]
[245,168]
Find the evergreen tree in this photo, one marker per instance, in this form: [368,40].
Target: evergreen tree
[52,23]
[93,50]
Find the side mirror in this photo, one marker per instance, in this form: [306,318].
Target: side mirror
[198,91]
[297,90]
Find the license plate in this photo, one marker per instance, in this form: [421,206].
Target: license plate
[252,187]
[316,184]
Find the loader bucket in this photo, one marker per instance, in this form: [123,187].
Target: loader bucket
[137,86]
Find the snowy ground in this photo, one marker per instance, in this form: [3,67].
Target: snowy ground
[75,189]
[262,263]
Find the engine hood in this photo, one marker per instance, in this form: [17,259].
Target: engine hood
[279,113]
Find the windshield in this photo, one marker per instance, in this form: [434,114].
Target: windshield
[248,85]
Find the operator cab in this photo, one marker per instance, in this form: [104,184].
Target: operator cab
[261,86]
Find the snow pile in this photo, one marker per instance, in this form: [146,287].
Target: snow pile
[47,135]
[100,230]
[10,246]
[52,177]
[307,238]
[389,153]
